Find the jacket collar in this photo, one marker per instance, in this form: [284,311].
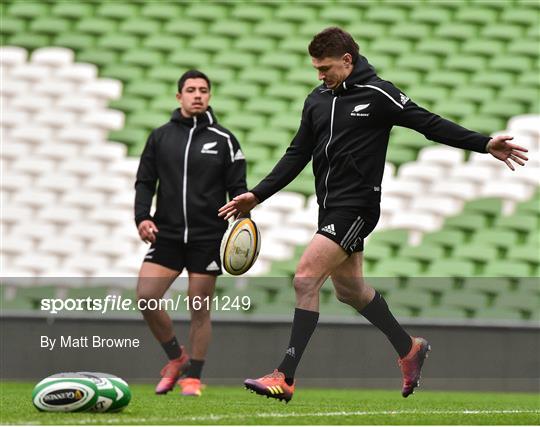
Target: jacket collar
[362,72]
[205,119]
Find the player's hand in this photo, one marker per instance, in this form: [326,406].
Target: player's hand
[241,204]
[501,149]
[147,231]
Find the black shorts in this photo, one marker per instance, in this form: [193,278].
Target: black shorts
[197,257]
[348,227]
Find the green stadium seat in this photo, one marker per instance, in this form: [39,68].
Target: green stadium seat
[466,63]
[446,313]
[125,73]
[245,121]
[130,137]
[512,63]
[222,106]
[161,11]
[497,313]
[219,76]
[344,14]
[12,26]
[28,10]
[96,26]
[527,95]
[146,89]
[510,109]
[257,45]
[447,238]
[449,79]
[491,286]
[483,123]
[285,121]
[525,47]
[476,252]
[295,13]
[71,10]
[466,222]
[391,46]
[410,31]
[189,59]
[436,286]
[403,78]
[50,26]
[240,91]
[366,31]
[494,79]
[466,300]
[397,268]
[128,104]
[529,284]
[273,138]
[529,79]
[424,253]
[184,28]
[163,104]
[287,92]
[265,106]
[301,184]
[437,47]
[521,16]
[519,222]
[307,30]
[118,42]
[147,120]
[255,153]
[115,10]
[211,44]
[530,207]
[140,26]
[527,253]
[206,11]
[419,62]
[386,15]
[76,41]
[29,41]
[251,13]
[164,74]
[476,15]
[400,155]
[502,31]
[280,60]
[501,239]
[381,62]
[423,94]
[456,31]
[451,268]
[235,61]
[485,48]
[410,298]
[303,76]
[375,253]
[521,301]
[231,29]
[507,269]
[430,15]
[274,29]
[454,109]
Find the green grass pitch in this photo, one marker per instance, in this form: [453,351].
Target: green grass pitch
[236,406]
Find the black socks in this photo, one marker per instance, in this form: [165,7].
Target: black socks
[378,313]
[304,323]
[172,349]
[195,368]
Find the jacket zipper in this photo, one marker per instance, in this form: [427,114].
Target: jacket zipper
[326,149]
[186,154]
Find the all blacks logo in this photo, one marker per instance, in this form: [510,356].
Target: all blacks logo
[63,397]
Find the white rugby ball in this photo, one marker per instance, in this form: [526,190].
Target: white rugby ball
[240,246]
[67,392]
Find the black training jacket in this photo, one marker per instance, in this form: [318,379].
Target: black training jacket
[195,163]
[346,132]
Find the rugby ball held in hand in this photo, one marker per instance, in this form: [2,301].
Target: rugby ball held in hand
[240,246]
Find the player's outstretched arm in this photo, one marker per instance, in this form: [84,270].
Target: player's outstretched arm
[500,148]
[241,204]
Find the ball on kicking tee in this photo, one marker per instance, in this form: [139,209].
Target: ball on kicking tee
[240,246]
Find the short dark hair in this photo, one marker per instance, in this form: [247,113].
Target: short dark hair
[333,42]
[192,74]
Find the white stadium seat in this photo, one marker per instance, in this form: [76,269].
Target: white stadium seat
[266,218]
[285,202]
[438,205]
[109,246]
[12,55]
[103,88]
[58,182]
[31,102]
[528,123]
[32,166]
[392,204]
[16,245]
[275,251]
[306,218]
[79,104]
[445,156]
[52,56]
[78,73]
[59,215]
[124,199]
[289,235]
[87,263]
[515,191]
[57,152]
[458,189]
[36,263]
[416,223]
[76,134]
[54,87]
[421,172]
[528,175]
[55,118]
[32,134]
[62,246]
[477,174]
[11,118]
[81,167]
[110,216]
[33,73]
[11,152]
[34,198]
[108,153]
[86,200]
[34,230]
[106,184]
[125,167]
[104,119]
[405,188]
[85,230]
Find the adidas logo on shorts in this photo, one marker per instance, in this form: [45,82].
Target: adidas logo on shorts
[212,266]
[329,229]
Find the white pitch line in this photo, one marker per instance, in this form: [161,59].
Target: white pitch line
[102,419]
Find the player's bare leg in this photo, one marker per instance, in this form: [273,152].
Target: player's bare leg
[200,292]
[154,280]
[319,259]
[352,289]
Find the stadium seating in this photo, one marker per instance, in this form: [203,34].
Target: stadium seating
[439,208]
